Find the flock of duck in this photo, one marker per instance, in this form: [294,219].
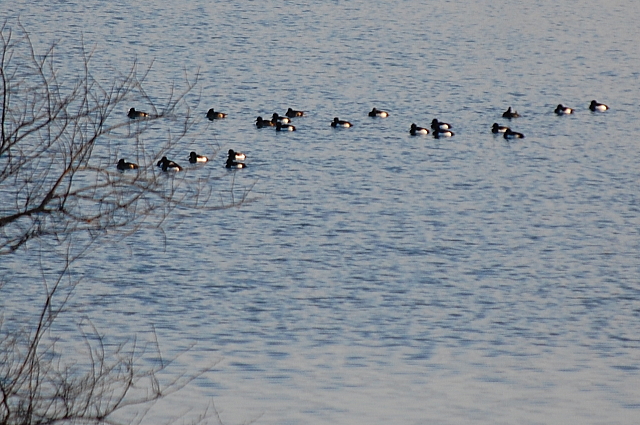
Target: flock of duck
[283,123]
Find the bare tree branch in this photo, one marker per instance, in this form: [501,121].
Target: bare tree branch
[54,179]
[59,183]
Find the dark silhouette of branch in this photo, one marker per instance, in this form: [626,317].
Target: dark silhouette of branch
[59,182]
[57,166]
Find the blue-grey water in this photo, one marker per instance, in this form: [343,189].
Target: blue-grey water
[377,277]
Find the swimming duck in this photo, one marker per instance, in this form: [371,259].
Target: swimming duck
[264,123]
[509,134]
[285,127]
[562,110]
[340,123]
[437,133]
[168,165]
[213,115]
[598,107]
[378,113]
[284,120]
[122,165]
[233,164]
[510,114]
[133,114]
[415,130]
[194,158]
[439,125]
[498,128]
[291,113]
[233,155]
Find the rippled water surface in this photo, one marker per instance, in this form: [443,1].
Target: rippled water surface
[378,277]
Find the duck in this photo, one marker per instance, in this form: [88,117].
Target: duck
[123,165]
[509,134]
[213,115]
[133,114]
[291,113]
[415,130]
[437,133]
[233,164]
[562,110]
[378,113]
[340,123]
[284,120]
[264,123]
[168,165]
[285,127]
[598,107]
[439,125]
[194,158]
[499,128]
[510,114]
[233,155]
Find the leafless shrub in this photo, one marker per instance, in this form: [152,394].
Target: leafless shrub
[59,182]
[57,163]
[40,384]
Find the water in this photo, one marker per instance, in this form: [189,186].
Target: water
[379,277]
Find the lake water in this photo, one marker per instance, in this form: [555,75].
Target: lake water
[378,277]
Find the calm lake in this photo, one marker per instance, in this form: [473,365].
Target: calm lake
[377,277]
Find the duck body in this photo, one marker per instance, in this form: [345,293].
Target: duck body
[439,125]
[509,134]
[278,118]
[133,114]
[340,123]
[598,107]
[442,133]
[498,128]
[237,156]
[378,113]
[285,127]
[168,165]
[291,113]
[509,113]
[260,123]
[123,165]
[563,110]
[213,115]
[195,158]
[233,164]
[415,130]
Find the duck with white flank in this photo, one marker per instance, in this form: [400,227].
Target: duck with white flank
[236,156]
[378,113]
[498,128]
[123,165]
[415,130]
[443,133]
[168,165]
[598,107]
[291,113]
[260,123]
[213,115]
[563,110]
[279,118]
[439,125]
[285,127]
[509,134]
[340,123]
[234,164]
[195,158]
